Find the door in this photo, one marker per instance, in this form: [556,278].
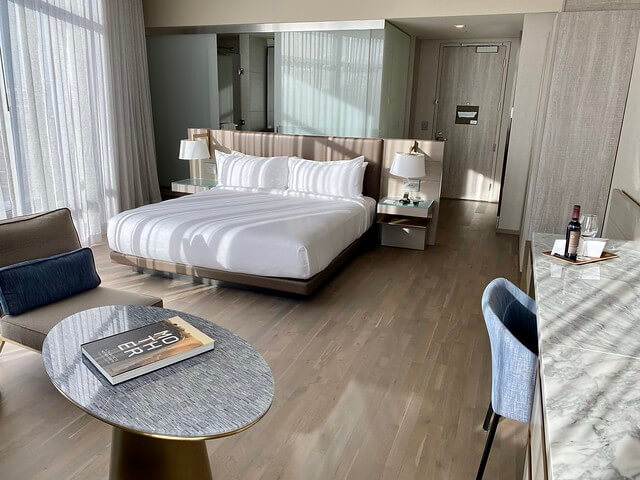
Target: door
[468,112]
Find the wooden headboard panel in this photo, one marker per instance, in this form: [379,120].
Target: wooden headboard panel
[623,220]
[322,149]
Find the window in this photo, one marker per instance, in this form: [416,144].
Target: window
[55,142]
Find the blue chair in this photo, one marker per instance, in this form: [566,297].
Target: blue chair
[510,316]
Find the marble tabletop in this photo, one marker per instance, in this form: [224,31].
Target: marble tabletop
[213,394]
[589,341]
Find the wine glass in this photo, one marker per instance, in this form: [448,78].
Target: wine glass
[589,229]
[589,224]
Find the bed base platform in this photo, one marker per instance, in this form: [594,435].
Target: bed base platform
[288,285]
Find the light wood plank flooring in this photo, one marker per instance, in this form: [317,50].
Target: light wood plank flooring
[384,374]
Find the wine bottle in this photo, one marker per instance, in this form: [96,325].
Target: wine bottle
[573,235]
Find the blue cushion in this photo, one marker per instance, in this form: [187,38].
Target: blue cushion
[31,284]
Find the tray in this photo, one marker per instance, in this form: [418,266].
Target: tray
[605,256]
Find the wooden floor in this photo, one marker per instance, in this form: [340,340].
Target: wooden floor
[384,374]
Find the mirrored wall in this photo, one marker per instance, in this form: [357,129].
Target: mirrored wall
[315,82]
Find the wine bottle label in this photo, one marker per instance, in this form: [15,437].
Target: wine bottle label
[574,239]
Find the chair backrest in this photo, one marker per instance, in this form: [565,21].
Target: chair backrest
[36,236]
[513,365]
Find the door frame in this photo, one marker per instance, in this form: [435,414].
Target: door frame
[494,197]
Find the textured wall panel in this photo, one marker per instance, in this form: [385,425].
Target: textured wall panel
[593,58]
[583,5]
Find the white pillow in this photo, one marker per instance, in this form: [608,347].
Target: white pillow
[342,178]
[236,169]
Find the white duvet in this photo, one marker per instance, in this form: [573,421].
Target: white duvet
[245,232]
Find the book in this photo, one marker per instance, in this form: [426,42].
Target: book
[129,354]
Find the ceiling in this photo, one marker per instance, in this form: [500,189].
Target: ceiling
[476,27]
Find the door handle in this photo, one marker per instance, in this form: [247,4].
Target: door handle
[440,137]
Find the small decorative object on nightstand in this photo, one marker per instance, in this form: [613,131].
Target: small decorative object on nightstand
[404,225]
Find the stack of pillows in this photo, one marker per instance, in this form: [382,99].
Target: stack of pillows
[341,178]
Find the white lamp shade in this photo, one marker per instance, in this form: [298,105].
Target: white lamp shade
[408,165]
[193,150]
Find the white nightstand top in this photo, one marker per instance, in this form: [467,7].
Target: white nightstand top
[193,185]
[392,206]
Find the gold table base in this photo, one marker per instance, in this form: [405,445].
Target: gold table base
[137,457]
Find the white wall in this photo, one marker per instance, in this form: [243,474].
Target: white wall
[424,88]
[183,76]
[626,173]
[159,13]
[395,71]
[512,68]
[535,34]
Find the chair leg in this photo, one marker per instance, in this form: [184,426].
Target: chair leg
[487,418]
[1,344]
[487,446]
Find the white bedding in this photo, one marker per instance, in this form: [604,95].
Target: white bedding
[245,232]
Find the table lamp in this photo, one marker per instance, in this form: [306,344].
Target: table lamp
[410,166]
[194,150]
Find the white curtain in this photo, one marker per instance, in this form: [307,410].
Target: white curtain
[131,119]
[62,144]
[328,83]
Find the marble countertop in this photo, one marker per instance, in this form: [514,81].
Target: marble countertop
[214,394]
[589,340]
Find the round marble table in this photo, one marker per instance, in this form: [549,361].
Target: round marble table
[161,419]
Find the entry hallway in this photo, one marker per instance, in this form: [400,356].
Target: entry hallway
[384,374]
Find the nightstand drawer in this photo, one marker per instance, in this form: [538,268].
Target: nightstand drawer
[404,236]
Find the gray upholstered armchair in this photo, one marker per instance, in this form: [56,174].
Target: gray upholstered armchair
[43,235]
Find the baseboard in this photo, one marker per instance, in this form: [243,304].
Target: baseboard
[468,200]
[507,231]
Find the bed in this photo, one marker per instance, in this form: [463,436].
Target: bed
[278,241]
[267,234]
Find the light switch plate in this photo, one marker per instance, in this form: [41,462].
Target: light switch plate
[424,125]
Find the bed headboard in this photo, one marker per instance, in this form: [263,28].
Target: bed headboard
[322,149]
[623,219]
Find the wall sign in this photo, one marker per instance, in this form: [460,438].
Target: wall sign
[467,114]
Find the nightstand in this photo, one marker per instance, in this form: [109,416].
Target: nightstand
[404,226]
[193,185]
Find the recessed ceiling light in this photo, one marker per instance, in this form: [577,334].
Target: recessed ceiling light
[459,25]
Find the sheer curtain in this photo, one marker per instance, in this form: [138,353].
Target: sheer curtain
[131,120]
[61,141]
[328,83]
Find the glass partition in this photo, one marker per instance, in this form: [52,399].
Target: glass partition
[328,83]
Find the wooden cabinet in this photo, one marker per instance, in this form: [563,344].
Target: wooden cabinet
[580,117]
[536,457]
